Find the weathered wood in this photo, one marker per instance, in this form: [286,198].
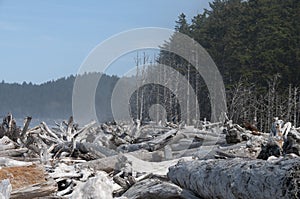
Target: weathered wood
[13,152]
[5,189]
[49,131]
[7,162]
[109,164]
[154,144]
[6,143]
[26,125]
[10,128]
[155,188]
[96,187]
[36,190]
[292,143]
[239,178]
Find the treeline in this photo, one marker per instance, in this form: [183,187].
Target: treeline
[254,43]
[256,46]
[53,99]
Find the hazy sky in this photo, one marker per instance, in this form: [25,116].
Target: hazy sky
[49,39]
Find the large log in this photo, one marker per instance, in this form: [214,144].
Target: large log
[155,188]
[109,164]
[35,191]
[239,178]
[155,144]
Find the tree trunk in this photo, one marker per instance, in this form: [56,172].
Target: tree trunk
[155,188]
[239,178]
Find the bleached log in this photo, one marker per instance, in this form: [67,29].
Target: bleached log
[66,175]
[99,150]
[64,171]
[96,187]
[13,152]
[49,131]
[155,144]
[5,189]
[155,156]
[212,125]
[36,190]
[108,164]
[155,188]
[7,162]
[26,125]
[203,152]
[79,135]
[6,143]
[69,129]
[239,178]
[162,140]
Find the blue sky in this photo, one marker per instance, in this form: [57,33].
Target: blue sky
[49,39]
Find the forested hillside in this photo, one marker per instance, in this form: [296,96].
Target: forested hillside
[253,39]
[256,46]
[53,99]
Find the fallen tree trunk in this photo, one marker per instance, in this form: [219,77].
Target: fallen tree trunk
[239,178]
[109,164]
[155,188]
[13,152]
[35,191]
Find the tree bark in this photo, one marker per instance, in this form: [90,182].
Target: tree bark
[155,188]
[239,178]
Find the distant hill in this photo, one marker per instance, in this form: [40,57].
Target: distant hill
[53,99]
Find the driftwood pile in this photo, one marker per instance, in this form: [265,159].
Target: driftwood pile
[212,160]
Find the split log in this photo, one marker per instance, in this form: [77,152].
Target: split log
[239,178]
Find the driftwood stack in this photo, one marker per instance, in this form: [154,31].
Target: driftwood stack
[212,160]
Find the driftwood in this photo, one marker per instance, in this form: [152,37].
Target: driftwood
[7,162]
[292,143]
[155,188]
[13,152]
[152,145]
[137,157]
[96,187]
[239,178]
[36,190]
[5,189]
[27,180]
[109,164]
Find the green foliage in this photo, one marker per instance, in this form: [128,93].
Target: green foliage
[250,39]
[251,42]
